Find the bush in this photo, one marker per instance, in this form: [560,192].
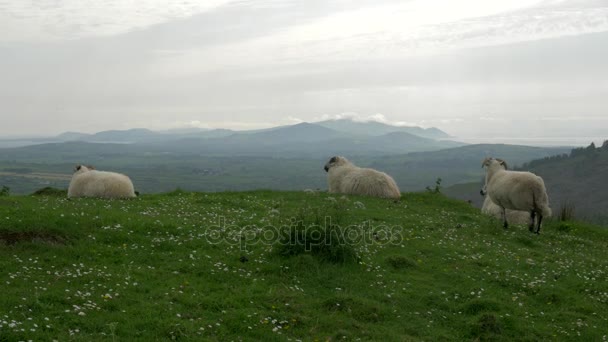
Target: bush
[437,188]
[311,233]
[5,191]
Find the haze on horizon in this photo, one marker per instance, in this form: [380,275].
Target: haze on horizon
[480,69]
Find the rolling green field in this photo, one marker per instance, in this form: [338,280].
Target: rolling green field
[221,266]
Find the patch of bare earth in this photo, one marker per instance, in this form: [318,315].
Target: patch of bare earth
[13,238]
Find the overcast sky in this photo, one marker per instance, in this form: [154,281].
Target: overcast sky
[517,68]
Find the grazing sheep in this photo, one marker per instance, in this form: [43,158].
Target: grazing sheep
[516,190]
[513,216]
[346,178]
[88,182]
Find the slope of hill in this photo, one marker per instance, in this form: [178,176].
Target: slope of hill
[578,179]
[378,128]
[193,266]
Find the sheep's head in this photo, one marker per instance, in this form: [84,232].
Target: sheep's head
[484,190]
[83,168]
[335,161]
[490,161]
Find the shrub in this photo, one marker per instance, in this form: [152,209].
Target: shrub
[5,191]
[311,232]
[437,188]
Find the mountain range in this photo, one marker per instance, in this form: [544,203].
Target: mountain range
[299,140]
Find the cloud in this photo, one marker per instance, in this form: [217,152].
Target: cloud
[186,124]
[394,31]
[74,19]
[365,118]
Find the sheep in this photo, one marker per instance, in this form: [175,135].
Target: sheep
[88,182]
[516,190]
[345,178]
[513,216]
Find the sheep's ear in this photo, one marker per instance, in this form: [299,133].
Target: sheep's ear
[333,159]
[485,162]
[78,167]
[503,163]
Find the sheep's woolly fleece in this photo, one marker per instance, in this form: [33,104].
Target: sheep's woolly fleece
[516,190]
[88,182]
[513,216]
[346,178]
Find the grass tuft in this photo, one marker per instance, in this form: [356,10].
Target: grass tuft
[50,191]
[312,232]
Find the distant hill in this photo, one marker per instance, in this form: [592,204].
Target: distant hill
[72,136]
[378,128]
[305,131]
[302,132]
[305,140]
[130,136]
[577,178]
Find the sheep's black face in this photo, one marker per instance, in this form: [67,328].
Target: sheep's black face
[331,161]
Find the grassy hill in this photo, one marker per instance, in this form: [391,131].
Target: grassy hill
[166,267]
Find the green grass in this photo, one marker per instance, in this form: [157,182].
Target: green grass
[152,269]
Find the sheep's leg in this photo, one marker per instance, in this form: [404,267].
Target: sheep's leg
[503,214]
[540,220]
[531,223]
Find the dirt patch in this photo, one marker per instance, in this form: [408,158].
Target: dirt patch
[13,238]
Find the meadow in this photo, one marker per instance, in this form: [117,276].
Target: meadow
[216,266]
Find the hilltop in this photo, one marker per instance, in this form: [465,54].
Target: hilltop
[166,267]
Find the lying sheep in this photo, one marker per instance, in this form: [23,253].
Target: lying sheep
[88,182]
[513,216]
[346,178]
[516,191]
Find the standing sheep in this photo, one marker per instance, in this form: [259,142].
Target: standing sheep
[345,178]
[516,190]
[88,182]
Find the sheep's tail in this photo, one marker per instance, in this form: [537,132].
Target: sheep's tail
[541,201]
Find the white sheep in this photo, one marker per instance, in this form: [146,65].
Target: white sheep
[516,190]
[345,178]
[513,216]
[88,182]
